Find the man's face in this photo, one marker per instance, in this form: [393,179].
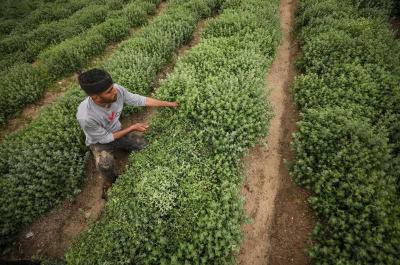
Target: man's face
[108,96]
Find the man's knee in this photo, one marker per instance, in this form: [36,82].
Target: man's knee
[105,164]
[104,160]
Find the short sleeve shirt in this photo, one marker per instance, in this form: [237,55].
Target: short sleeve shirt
[98,122]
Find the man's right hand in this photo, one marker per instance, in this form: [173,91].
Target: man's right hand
[140,127]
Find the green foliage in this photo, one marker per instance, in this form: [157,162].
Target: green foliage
[166,214]
[347,146]
[375,6]
[202,95]
[52,33]
[310,12]
[333,47]
[22,85]
[135,12]
[178,202]
[346,162]
[115,29]
[246,29]
[6,26]
[116,4]
[52,261]
[47,34]
[11,60]
[44,12]
[351,86]
[137,61]
[202,8]
[73,54]
[41,165]
[12,44]
[49,12]
[31,42]
[11,9]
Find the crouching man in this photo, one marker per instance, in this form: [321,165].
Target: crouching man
[98,115]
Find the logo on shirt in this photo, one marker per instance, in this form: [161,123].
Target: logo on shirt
[111,117]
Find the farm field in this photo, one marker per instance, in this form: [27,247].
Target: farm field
[284,148]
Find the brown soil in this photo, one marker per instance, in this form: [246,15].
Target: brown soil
[395,25]
[51,235]
[281,221]
[31,111]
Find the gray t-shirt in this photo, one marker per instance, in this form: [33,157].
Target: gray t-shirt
[98,123]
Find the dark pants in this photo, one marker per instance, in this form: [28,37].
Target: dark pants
[104,154]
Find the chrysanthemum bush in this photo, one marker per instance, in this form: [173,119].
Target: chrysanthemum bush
[346,162]
[16,91]
[35,40]
[347,146]
[74,53]
[43,164]
[40,165]
[32,42]
[178,202]
[23,16]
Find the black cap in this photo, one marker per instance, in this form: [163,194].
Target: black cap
[95,81]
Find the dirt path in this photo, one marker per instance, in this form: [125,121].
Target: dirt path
[281,222]
[51,235]
[31,111]
[395,26]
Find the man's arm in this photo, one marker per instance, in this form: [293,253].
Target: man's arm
[98,134]
[140,127]
[152,102]
[138,100]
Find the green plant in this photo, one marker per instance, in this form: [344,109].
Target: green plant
[346,163]
[21,85]
[73,54]
[347,145]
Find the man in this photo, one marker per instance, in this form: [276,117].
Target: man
[98,116]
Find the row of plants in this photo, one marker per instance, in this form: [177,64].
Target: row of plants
[11,9]
[25,83]
[74,53]
[44,163]
[348,142]
[27,46]
[381,6]
[44,12]
[179,202]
